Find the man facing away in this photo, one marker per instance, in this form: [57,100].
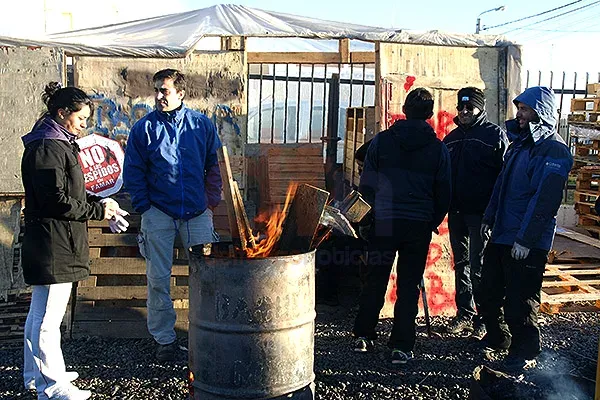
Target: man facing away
[406,179]
[172,173]
[476,149]
[521,216]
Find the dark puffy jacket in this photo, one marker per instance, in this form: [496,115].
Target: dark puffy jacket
[55,243]
[529,189]
[476,153]
[406,174]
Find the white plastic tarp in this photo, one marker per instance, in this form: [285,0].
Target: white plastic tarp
[176,35]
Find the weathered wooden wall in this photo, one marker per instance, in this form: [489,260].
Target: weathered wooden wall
[24,72]
[123,92]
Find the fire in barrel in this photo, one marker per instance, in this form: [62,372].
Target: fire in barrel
[252,302]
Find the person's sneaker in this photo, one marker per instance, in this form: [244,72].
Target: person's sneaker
[67,393]
[166,352]
[70,375]
[459,325]
[516,364]
[362,345]
[479,332]
[400,357]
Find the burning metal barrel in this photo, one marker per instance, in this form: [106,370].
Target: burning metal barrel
[251,332]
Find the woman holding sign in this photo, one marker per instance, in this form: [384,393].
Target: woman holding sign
[55,243]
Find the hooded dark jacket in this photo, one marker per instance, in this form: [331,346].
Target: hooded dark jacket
[529,189]
[476,152]
[406,174]
[55,243]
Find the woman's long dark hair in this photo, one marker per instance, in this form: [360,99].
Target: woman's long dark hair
[69,98]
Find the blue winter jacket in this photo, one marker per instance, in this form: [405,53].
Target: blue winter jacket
[171,163]
[529,190]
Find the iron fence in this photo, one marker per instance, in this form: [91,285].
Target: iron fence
[289,103]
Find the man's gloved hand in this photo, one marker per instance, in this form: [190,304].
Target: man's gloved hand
[485,232]
[364,231]
[519,252]
[118,224]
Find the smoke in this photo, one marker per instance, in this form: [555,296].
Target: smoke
[559,384]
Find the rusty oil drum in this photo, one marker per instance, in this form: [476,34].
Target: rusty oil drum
[251,326]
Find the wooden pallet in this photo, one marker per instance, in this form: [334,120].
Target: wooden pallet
[593,89]
[13,313]
[360,128]
[569,283]
[589,104]
[112,301]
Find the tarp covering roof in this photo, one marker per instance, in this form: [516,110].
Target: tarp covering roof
[176,35]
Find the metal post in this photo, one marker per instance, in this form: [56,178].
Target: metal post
[333,108]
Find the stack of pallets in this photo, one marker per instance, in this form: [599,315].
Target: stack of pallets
[569,283]
[587,109]
[586,192]
[572,277]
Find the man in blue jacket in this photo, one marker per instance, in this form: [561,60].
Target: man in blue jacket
[172,173]
[476,149]
[521,217]
[406,179]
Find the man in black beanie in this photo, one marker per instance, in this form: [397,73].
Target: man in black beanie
[477,149]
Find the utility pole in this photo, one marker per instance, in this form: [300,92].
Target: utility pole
[478,24]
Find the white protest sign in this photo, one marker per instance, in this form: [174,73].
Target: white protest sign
[101,161]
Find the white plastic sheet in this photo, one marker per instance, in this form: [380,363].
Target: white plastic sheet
[176,35]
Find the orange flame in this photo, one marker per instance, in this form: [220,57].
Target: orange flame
[274,223]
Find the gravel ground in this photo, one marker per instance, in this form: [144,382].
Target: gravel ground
[442,369]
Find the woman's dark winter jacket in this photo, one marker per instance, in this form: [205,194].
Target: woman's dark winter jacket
[529,189]
[55,243]
[407,174]
[476,152]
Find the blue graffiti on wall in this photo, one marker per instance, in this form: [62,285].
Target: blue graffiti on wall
[111,120]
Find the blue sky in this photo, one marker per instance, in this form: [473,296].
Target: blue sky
[567,42]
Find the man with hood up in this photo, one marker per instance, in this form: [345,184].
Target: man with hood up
[476,149]
[406,179]
[521,218]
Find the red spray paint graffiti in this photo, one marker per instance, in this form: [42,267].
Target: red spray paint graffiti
[440,297]
[410,81]
[440,294]
[442,124]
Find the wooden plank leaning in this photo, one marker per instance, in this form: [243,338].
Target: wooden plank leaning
[241,233]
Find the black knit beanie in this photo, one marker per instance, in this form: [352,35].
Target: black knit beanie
[472,96]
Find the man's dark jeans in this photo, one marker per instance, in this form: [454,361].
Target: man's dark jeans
[411,240]
[510,299]
[466,242]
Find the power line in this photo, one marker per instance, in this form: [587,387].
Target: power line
[531,16]
[570,22]
[554,16]
[560,31]
[580,24]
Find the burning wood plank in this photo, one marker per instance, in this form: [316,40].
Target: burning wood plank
[242,218]
[303,219]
